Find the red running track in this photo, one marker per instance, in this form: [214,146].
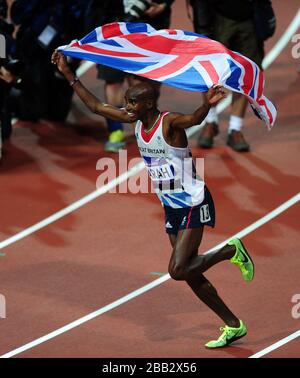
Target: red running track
[111,246]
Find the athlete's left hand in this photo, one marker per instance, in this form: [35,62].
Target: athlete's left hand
[215,94]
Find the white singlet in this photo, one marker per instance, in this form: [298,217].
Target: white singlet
[171,169]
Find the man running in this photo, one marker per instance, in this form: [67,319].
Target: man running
[187,202]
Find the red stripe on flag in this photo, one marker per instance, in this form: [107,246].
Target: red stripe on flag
[167,69]
[249,71]
[164,45]
[210,69]
[262,103]
[183,51]
[97,50]
[111,30]
[260,84]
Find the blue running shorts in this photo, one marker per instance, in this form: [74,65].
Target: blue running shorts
[190,217]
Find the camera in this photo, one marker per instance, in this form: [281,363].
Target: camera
[135,11]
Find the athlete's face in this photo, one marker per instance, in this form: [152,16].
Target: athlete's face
[138,101]
[135,106]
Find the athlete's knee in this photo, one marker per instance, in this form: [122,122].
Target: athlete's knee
[177,272]
[177,267]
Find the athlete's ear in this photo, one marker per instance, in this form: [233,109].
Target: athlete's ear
[150,104]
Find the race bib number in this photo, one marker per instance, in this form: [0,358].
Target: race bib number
[163,172]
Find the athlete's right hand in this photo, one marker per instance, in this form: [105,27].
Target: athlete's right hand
[60,60]
[215,94]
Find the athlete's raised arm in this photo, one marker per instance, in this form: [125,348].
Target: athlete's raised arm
[213,96]
[91,101]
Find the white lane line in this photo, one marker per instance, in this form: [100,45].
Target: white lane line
[277,345]
[97,193]
[145,288]
[291,202]
[74,206]
[84,67]
[283,41]
[86,318]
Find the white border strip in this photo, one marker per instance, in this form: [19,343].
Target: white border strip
[277,345]
[292,201]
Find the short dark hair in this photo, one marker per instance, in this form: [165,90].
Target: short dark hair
[145,89]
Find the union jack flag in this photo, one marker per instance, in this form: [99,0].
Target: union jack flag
[178,58]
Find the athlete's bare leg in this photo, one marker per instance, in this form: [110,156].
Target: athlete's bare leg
[185,264]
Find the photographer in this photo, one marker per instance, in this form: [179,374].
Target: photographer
[241,26]
[156,13]
[22,100]
[100,12]
[30,87]
[43,25]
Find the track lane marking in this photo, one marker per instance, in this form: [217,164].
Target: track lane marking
[276,345]
[286,205]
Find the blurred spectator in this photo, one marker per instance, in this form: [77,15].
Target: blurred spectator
[44,24]
[241,26]
[155,13]
[98,13]
[31,88]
